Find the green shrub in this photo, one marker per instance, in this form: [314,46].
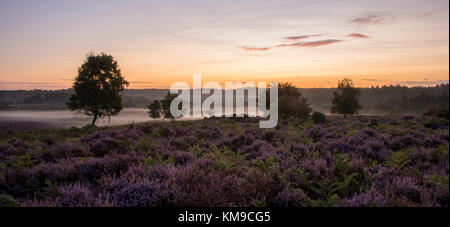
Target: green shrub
[439,113]
[397,159]
[8,201]
[436,123]
[373,123]
[318,117]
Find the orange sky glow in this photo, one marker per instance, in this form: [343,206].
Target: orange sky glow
[309,43]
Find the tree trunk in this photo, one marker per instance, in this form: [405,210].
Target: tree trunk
[94,119]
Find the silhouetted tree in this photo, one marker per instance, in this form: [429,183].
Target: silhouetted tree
[346,98]
[97,87]
[291,103]
[165,105]
[155,109]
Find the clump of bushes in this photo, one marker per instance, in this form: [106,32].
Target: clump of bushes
[439,113]
[8,201]
[318,117]
[436,123]
[373,123]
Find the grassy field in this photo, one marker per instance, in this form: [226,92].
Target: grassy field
[356,161]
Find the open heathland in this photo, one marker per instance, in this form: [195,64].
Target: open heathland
[355,161]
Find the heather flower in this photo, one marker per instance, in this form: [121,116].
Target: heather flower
[317,168]
[183,143]
[369,198]
[407,187]
[375,150]
[182,157]
[61,151]
[208,132]
[402,142]
[291,198]
[231,162]
[259,148]
[143,193]
[358,165]
[316,133]
[271,136]
[339,145]
[76,195]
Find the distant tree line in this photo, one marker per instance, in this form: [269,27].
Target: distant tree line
[394,99]
[54,97]
[97,92]
[291,103]
[414,103]
[386,99]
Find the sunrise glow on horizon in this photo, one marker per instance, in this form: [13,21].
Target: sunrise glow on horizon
[309,43]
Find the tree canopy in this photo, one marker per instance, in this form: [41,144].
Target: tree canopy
[291,103]
[154,109]
[162,107]
[346,98]
[97,87]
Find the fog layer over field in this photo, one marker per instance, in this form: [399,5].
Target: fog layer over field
[27,120]
[19,120]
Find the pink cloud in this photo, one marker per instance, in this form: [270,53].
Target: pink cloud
[374,19]
[296,38]
[254,48]
[430,13]
[312,43]
[358,35]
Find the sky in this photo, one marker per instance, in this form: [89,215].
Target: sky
[311,43]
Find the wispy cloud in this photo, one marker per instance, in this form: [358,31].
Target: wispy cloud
[141,82]
[298,43]
[151,87]
[247,48]
[301,37]
[132,82]
[374,18]
[15,85]
[26,83]
[385,17]
[66,79]
[311,43]
[430,13]
[370,79]
[424,83]
[358,36]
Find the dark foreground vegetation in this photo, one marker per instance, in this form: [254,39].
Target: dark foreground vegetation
[354,161]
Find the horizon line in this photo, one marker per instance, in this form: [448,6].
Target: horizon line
[168,88]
